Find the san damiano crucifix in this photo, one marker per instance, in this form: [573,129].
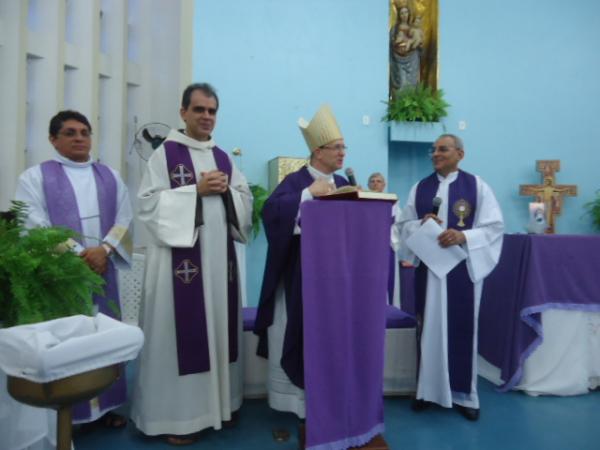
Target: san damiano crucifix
[548,192]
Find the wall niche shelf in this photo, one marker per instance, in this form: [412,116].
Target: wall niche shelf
[418,132]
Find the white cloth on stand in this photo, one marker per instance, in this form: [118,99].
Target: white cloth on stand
[567,362]
[49,351]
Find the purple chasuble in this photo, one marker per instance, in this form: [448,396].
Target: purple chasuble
[283,266]
[460,291]
[188,287]
[63,211]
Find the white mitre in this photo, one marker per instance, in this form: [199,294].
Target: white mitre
[321,130]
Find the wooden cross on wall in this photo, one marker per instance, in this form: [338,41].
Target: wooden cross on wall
[548,192]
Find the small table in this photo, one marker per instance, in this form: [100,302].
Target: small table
[535,274]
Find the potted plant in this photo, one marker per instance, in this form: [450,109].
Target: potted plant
[39,278]
[593,209]
[259,195]
[417,103]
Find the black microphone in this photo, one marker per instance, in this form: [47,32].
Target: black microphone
[350,174]
[436,202]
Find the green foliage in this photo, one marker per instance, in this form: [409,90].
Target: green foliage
[260,195]
[593,209]
[416,104]
[39,280]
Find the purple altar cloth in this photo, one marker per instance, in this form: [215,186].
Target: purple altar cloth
[535,273]
[345,248]
[396,318]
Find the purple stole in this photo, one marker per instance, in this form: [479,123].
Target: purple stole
[188,287]
[461,297]
[63,211]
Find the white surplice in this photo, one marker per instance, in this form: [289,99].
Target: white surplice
[81,176]
[163,401]
[483,247]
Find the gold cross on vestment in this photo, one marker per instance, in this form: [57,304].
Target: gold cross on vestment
[548,192]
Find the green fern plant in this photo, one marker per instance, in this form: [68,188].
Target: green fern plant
[593,209]
[417,103]
[38,280]
[260,195]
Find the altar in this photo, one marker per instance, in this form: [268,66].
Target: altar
[539,323]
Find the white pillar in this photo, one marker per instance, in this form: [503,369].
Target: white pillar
[13,45]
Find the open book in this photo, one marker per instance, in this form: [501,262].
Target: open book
[353,193]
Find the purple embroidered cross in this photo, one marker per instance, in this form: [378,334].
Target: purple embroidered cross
[181,175]
[186,271]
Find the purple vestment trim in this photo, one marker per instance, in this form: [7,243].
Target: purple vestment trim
[62,209]
[224,165]
[356,441]
[188,287]
[391,278]
[460,292]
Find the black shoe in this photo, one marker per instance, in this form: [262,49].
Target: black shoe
[469,413]
[419,405]
[232,423]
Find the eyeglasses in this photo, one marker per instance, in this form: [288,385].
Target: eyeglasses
[440,149]
[202,110]
[72,132]
[337,148]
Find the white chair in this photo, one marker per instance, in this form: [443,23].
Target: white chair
[130,289]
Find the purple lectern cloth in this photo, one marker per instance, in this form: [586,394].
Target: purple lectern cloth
[535,273]
[345,250]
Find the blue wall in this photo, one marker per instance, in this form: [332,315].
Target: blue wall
[524,75]
[275,61]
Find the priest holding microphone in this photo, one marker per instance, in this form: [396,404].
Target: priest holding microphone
[447,307]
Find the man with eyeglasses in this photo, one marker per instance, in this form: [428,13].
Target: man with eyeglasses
[279,317]
[447,308]
[90,198]
[195,203]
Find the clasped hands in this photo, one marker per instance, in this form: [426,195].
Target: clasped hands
[447,237]
[96,258]
[212,182]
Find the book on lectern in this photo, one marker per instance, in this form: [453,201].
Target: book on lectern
[354,193]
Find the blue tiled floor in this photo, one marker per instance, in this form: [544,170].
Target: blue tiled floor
[508,421]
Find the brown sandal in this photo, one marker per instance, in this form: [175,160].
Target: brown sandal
[113,420]
[182,439]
